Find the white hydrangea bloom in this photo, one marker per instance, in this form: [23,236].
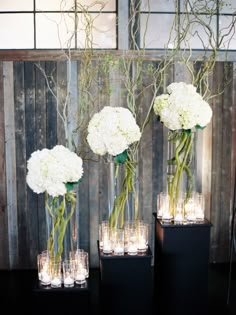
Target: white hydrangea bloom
[50,170]
[112,130]
[182,108]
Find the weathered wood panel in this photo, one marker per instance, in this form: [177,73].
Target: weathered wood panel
[4,254]
[10,153]
[30,121]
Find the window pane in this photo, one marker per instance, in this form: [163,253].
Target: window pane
[198,37]
[65,5]
[229,6]
[55,30]
[227,32]
[158,32]
[104,5]
[55,5]
[102,32]
[158,5]
[16,31]
[16,5]
[197,6]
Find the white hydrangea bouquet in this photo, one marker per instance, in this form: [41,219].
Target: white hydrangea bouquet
[55,172]
[183,110]
[112,131]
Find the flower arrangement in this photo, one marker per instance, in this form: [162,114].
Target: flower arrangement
[112,131]
[183,110]
[55,172]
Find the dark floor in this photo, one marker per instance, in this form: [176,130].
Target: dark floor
[17,291]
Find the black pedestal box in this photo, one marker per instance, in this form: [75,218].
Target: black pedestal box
[181,268]
[126,284]
[47,300]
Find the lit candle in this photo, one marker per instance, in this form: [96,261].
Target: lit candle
[80,278]
[119,250]
[55,283]
[107,249]
[68,281]
[179,217]
[132,249]
[45,278]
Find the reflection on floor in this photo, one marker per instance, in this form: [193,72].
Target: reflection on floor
[16,288]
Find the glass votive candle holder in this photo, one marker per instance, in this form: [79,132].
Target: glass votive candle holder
[160,198]
[68,267]
[107,240]
[142,237]
[118,242]
[132,246]
[167,215]
[43,263]
[104,223]
[80,270]
[189,209]
[56,274]
[179,211]
[200,207]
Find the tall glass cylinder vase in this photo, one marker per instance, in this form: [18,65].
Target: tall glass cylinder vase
[61,224]
[181,167]
[122,183]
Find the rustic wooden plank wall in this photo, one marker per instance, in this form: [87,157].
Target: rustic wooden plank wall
[29,121]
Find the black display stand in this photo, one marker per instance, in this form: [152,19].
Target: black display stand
[47,300]
[181,268]
[126,284]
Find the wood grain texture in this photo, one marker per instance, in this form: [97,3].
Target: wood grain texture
[4,254]
[11,180]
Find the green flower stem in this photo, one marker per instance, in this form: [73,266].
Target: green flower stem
[117,216]
[181,161]
[60,221]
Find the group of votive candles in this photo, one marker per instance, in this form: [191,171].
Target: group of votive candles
[131,239]
[191,209]
[65,273]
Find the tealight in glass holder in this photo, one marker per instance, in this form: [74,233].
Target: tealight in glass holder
[118,242]
[167,215]
[43,269]
[107,240]
[159,205]
[80,269]
[200,207]
[142,237]
[132,240]
[189,209]
[179,211]
[56,274]
[68,267]
[102,225]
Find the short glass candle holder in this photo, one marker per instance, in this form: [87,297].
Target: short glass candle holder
[200,207]
[179,211]
[142,237]
[118,242]
[56,274]
[189,208]
[132,246]
[167,215]
[107,240]
[43,269]
[80,270]
[68,267]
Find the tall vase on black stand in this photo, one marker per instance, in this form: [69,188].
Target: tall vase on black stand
[182,233]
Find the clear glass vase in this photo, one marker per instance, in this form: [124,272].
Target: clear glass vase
[122,181]
[181,167]
[62,229]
